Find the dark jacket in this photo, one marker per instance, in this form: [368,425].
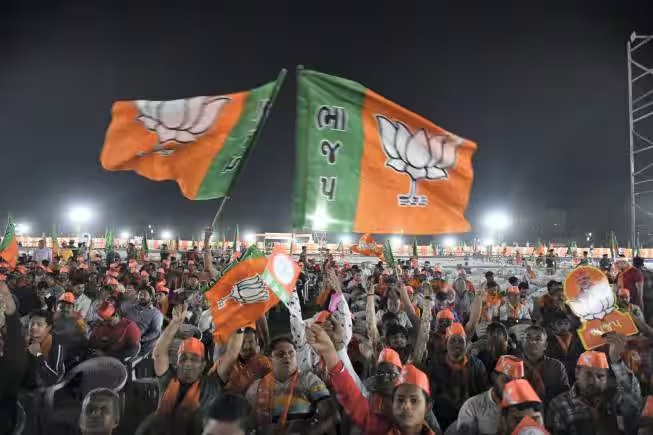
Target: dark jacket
[42,370]
[445,386]
[12,373]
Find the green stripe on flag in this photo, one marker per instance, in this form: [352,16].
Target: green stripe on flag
[226,165]
[326,181]
[276,288]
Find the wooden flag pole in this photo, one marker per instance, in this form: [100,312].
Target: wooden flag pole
[219,212]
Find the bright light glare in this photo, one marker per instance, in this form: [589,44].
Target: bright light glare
[488,242]
[345,239]
[250,237]
[22,229]
[449,242]
[320,218]
[80,214]
[125,235]
[497,220]
[396,241]
[166,234]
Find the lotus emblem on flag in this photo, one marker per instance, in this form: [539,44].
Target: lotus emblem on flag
[418,155]
[182,121]
[247,291]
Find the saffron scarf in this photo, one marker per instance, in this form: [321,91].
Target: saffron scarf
[264,397]
[189,404]
[458,389]
[533,375]
[490,305]
[564,342]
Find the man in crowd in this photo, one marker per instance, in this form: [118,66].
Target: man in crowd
[592,406]
[147,317]
[519,402]
[46,354]
[481,414]
[100,412]
[288,400]
[115,336]
[185,390]
[229,414]
[632,279]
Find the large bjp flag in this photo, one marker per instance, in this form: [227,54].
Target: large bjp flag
[367,165]
[200,142]
[240,296]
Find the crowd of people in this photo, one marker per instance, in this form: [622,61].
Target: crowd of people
[406,348]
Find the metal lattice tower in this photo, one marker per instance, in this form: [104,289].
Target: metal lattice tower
[640,111]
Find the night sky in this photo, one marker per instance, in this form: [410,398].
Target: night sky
[539,85]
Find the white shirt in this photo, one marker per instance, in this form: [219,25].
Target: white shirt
[479,415]
[43,254]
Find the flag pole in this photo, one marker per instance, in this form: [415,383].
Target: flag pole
[219,212]
[264,118]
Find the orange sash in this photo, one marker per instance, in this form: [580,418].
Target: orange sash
[264,397]
[564,342]
[189,404]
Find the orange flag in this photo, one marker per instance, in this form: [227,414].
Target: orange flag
[199,142]
[367,246]
[365,164]
[240,297]
[9,245]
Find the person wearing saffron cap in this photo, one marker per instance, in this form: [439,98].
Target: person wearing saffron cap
[66,322]
[481,414]
[592,406]
[519,401]
[114,336]
[410,399]
[185,390]
[455,378]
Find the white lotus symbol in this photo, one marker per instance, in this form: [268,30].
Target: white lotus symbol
[418,155]
[594,301]
[247,291]
[181,121]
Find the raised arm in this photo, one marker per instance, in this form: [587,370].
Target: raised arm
[370,316]
[228,359]
[474,312]
[424,326]
[407,305]
[208,255]
[160,353]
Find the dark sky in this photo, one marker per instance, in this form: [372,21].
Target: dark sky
[539,85]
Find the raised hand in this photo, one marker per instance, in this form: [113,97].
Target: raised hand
[179,313]
[319,340]
[9,303]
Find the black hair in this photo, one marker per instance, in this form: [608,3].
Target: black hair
[553,283]
[523,285]
[638,262]
[513,280]
[42,285]
[535,406]
[47,315]
[231,408]
[395,330]
[389,317]
[492,284]
[497,327]
[105,393]
[281,339]
[536,328]
[489,275]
